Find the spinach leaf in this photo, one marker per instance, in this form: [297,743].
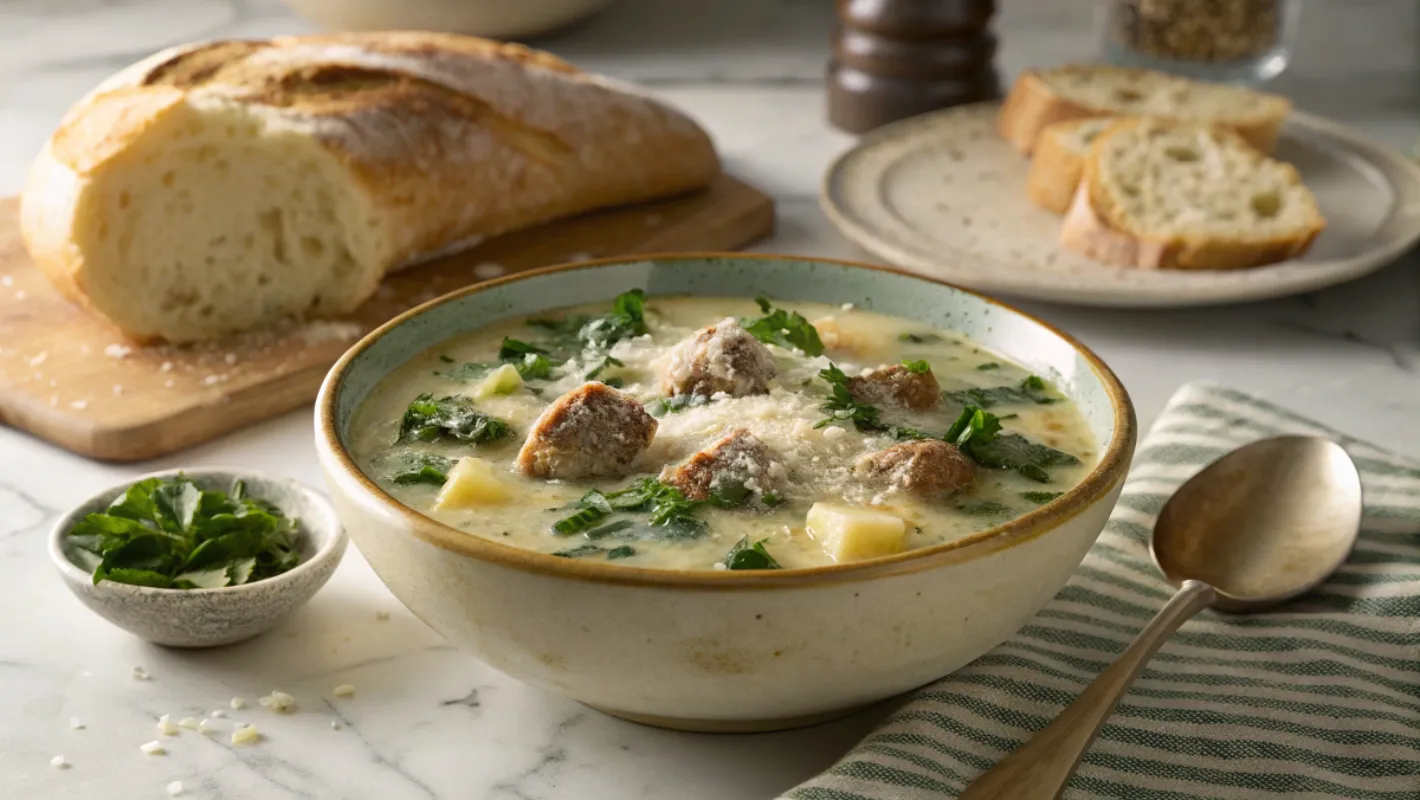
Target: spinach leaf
[427,468]
[671,515]
[978,433]
[615,553]
[428,420]
[989,365]
[789,330]
[662,406]
[1040,498]
[607,363]
[750,556]
[624,551]
[982,508]
[173,534]
[1034,389]
[534,367]
[514,349]
[627,319]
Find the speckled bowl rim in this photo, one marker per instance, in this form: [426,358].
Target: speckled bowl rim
[333,543]
[1108,473]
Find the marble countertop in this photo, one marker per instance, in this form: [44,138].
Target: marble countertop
[427,721]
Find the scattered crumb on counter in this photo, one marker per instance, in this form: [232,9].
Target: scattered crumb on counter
[153,749]
[6,280]
[205,727]
[327,331]
[213,380]
[344,690]
[238,702]
[58,762]
[166,726]
[117,389]
[168,384]
[117,351]
[140,674]
[278,701]
[175,788]
[488,270]
[21,294]
[76,724]
[190,723]
[246,735]
[79,404]
[167,366]
[39,358]
[85,350]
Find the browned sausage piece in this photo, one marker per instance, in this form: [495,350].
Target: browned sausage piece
[721,358]
[924,467]
[897,386]
[592,431]
[738,458]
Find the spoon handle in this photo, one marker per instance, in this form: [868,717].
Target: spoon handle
[1039,769]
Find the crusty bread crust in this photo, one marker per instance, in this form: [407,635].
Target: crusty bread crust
[1092,227]
[446,139]
[1033,105]
[1055,170]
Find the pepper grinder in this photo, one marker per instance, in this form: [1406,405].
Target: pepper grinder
[896,58]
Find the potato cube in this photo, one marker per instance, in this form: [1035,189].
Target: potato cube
[852,533]
[471,483]
[504,380]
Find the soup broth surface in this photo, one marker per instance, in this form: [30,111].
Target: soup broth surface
[816,461]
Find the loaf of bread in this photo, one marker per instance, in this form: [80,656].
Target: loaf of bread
[1177,195]
[1040,98]
[1059,161]
[219,187]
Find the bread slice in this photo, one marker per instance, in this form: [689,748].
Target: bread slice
[1059,161]
[220,187]
[1171,195]
[1040,98]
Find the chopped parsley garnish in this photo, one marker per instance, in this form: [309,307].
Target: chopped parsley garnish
[428,420]
[787,329]
[1040,498]
[983,508]
[662,406]
[842,406]
[671,515]
[1033,389]
[917,367]
[750,556]
[427,468]
[173,534]
[627,319]
[988,365]
[607,363]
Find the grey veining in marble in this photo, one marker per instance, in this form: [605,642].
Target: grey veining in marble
[429,722]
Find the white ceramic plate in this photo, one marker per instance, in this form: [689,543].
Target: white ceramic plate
[943,195]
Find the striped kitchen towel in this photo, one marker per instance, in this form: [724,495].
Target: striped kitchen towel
[1320,699]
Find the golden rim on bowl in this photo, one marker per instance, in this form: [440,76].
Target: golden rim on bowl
[1107,473]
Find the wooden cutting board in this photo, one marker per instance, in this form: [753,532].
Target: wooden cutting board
[68,377]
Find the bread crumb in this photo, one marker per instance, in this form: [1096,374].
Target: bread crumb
[39,359]
[246,735]
[326,331]
[85,350]
[488,270]
[230,358]
[117,389]
[344,690]
[213,380]
[238,702]
[219,714]
[76,724]
[205,727]
[79,404]
[166,726]
[58,762]
[153,749]
[168,384]
[175,788]
[6,280]
[190,723]
[21,294]
[117,351]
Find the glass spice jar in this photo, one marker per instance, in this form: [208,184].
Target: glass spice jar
[1237,41]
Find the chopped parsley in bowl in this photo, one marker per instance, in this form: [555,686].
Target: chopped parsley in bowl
[198,558]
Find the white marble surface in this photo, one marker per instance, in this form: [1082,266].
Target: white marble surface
[429,722]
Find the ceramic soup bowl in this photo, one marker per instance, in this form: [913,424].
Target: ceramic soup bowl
[718,650]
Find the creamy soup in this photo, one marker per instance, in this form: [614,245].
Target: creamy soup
[700,433]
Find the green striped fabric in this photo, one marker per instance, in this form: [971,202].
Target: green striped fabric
[1320,699]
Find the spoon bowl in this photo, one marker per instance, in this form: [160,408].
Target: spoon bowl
[1262,525]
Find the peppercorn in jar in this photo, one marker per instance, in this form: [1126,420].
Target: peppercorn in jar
[1243,41]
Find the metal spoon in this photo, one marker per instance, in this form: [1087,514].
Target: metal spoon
[1259,526]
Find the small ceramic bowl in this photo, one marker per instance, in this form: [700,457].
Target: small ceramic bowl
[211,617]
[721,650]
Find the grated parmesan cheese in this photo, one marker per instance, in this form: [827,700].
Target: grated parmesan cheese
[188,722]
[174,788]
[58,762]
[246,735]
[344,690]
[279,702]
[75,724]
[166,726]
[238,702]
[153,749]
[205,727]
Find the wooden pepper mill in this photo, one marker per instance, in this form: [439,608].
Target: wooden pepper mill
[896,58]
